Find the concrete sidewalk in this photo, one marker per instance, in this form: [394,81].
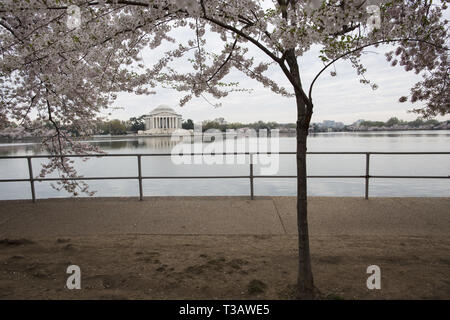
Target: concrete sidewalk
[223,215]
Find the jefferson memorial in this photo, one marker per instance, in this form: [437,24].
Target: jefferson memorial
[162,120]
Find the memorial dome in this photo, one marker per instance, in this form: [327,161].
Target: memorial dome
[163,108]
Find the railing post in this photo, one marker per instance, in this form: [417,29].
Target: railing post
[367,175]
[30,172]
[140,177]
[251,176]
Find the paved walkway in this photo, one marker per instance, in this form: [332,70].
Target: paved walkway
[223,215]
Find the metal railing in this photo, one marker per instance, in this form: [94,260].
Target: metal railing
[251,175]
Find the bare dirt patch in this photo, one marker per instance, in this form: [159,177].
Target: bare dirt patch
[222,267]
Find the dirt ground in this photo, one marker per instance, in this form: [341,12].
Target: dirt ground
[222,267]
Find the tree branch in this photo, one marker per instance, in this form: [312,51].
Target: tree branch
[240,33]
[362,47]
[224,63]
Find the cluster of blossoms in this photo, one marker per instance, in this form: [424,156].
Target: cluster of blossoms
[65,61]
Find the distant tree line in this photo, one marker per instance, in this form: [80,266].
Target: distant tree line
[112,127]
[135,124]
[238,125]
[395,121]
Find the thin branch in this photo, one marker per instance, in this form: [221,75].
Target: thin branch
[240,33]
[224,63]
[362,47]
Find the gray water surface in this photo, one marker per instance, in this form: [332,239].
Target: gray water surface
[405,141]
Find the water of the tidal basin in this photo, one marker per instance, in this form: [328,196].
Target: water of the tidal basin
[414,141]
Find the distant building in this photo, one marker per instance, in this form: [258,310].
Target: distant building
[328,123]
[339,125]
[162,120]
[331,124]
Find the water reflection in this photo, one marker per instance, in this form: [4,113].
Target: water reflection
[158,143]
[20,149]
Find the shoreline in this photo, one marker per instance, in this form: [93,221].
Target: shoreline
[281,134]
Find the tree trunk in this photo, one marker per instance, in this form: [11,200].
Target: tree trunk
[305,281]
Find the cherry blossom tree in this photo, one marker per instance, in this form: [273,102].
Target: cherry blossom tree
[65,62]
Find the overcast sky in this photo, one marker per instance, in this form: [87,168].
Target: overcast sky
[340,98]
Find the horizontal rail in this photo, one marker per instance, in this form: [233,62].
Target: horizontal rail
[410,177]
[223,177]
[14,180]
[251,175]
[210,154]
